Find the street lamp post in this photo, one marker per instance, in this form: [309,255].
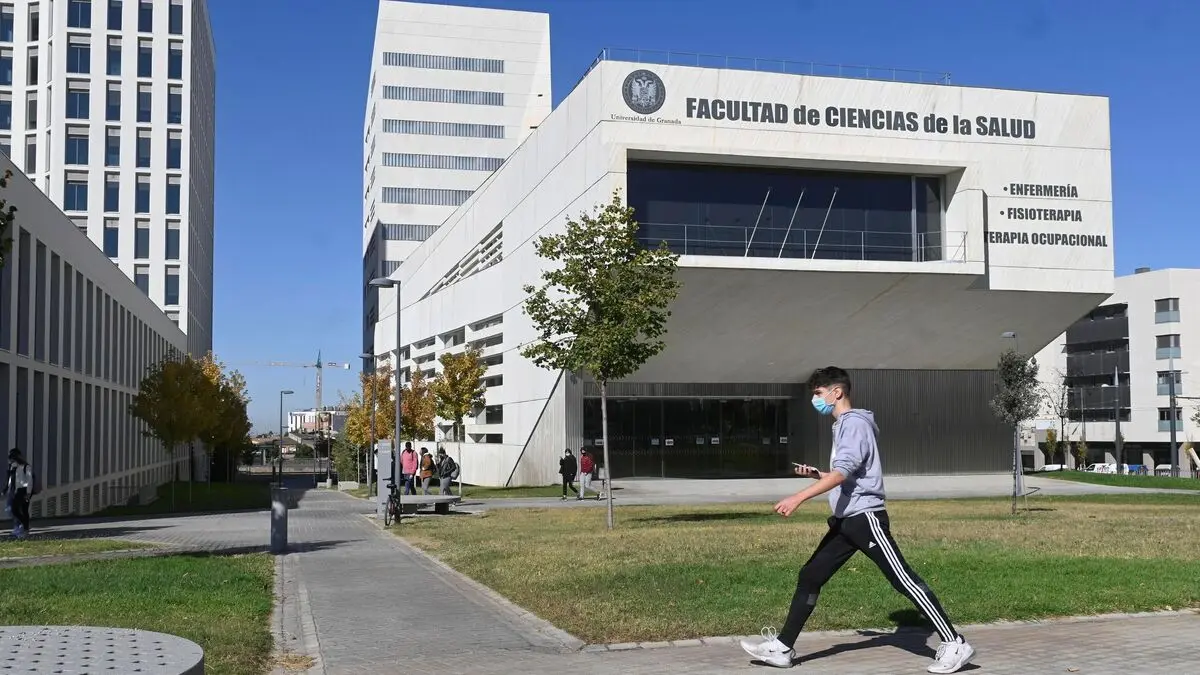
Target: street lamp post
[279,460]
[384,282]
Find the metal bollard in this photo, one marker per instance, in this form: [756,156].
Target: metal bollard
[279,520]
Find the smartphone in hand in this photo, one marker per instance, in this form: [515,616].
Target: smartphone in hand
[805,470]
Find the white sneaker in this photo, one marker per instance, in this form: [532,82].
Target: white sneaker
[770,650]
[952,656]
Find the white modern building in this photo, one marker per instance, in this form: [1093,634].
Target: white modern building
[898,230]
[313,420]
[1139,338]
[76,336]
[108,105]
[453,91]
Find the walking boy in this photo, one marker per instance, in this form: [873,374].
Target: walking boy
[859,523]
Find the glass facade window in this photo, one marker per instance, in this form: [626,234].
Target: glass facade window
[1164,382]
[112,148]
[5,110]
[175,105]
[427,128]
[79,13]
[35,23]
[114,14]
[78,104]
[175,62]
[30,154]
[451,162]
[31,110]
[141,241]
[438,62]
[114,56]
[77,148]
[172,242]
[174,150]
[79,56]
[431,95]
[173,195]
[425,196]
[1167,347]
[145,59]
[141,198]
[112,193]
[141,278]
[6,67]
[691,437]
[145,16]
[1164,419]
[171,294]
[143,149]
[175,18]
[793,213]
[76,194]
[144,102]
[7,24]
[1166,310]
[112,104]
[31,77]
[112,239]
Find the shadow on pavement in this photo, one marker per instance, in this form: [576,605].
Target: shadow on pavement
[912,635]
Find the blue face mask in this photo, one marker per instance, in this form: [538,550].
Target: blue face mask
[822,406]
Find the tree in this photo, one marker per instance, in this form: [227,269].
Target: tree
[458,392]
[1058,402]
[1050,447]
[418,408]
[1081,455]
[1017,400]
[176,401]
[602,304]
[230,430]
[375,390]
[8,218]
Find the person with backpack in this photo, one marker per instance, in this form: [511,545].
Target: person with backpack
[19,485]
[447,470]
[427,468]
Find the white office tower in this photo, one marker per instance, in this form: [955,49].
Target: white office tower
[108,106]
[453,92]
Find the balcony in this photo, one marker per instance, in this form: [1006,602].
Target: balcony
[1161,353]
[782,242]
[1171,316]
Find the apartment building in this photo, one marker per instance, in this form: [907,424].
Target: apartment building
[453,91]
[108,106]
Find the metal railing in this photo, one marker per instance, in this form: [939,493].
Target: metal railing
[779,242]
[784,66]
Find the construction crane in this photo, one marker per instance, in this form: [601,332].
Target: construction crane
[319,365]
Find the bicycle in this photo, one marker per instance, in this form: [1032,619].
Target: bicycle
[391,512]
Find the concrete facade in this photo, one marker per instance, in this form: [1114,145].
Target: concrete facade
[1015,238]
[112,114]
[76,336]
[1143,332]
[453,91]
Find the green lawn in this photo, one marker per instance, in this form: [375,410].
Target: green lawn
[200,498]
[223,603]
[684,572]
[37,546]
[479,492]
[1116,480]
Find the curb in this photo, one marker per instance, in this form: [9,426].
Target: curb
[726,640]
[523,618]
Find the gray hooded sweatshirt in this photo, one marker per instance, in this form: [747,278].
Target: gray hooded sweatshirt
[856,456]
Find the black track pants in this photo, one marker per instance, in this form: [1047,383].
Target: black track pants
[870,533]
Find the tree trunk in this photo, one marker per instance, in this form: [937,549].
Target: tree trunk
[604,435]
[458,442]
[174,475]
[1016,467]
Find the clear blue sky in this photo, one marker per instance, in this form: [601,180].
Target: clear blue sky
[292,82]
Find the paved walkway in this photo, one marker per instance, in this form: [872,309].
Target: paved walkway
[359,600]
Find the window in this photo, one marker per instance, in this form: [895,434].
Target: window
[112,238]
[112,147]
[173,195]
[141,278]
[175,105]
[171,294]
[1164,382]
[6,146]
[112,193]
[430,95]
[493,414]
[452,162]
[174,150]
[145,64]
[143,149]
[145,16]
[1166,310]
[1164,419]
[77,146]
[78,103]
[405,60]
[30,154]
[460,129]
[31,77]
[175,61]
[407,231]
[31,107]
[79,56]
[1166,347]
[141,201]
[114,14]
[144,103]
[6,67]
[35,23]
[175,18]
[114,56]
[5,110]
[172,242]
[112,103]
[425,196]
[141,240]
[6,23]
[79,13]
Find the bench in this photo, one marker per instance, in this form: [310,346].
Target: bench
[410,504]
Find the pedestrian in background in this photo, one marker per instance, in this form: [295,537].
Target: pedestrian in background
[408,468]
[569,468]
[447,471]
[428,468]
[587,468]
[18,486]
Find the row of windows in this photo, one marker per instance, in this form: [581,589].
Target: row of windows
[75,194]
[427,128]
[79,58]
[407,231]
[436,62]
[79,15]
[429,95]
[79,105]
[425,196]
[141,240]
[453,162]
[77,148]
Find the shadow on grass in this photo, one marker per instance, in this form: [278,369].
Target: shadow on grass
[705,517]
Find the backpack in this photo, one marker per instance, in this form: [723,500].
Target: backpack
[452,468]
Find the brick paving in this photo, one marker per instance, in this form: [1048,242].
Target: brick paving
[360,600]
